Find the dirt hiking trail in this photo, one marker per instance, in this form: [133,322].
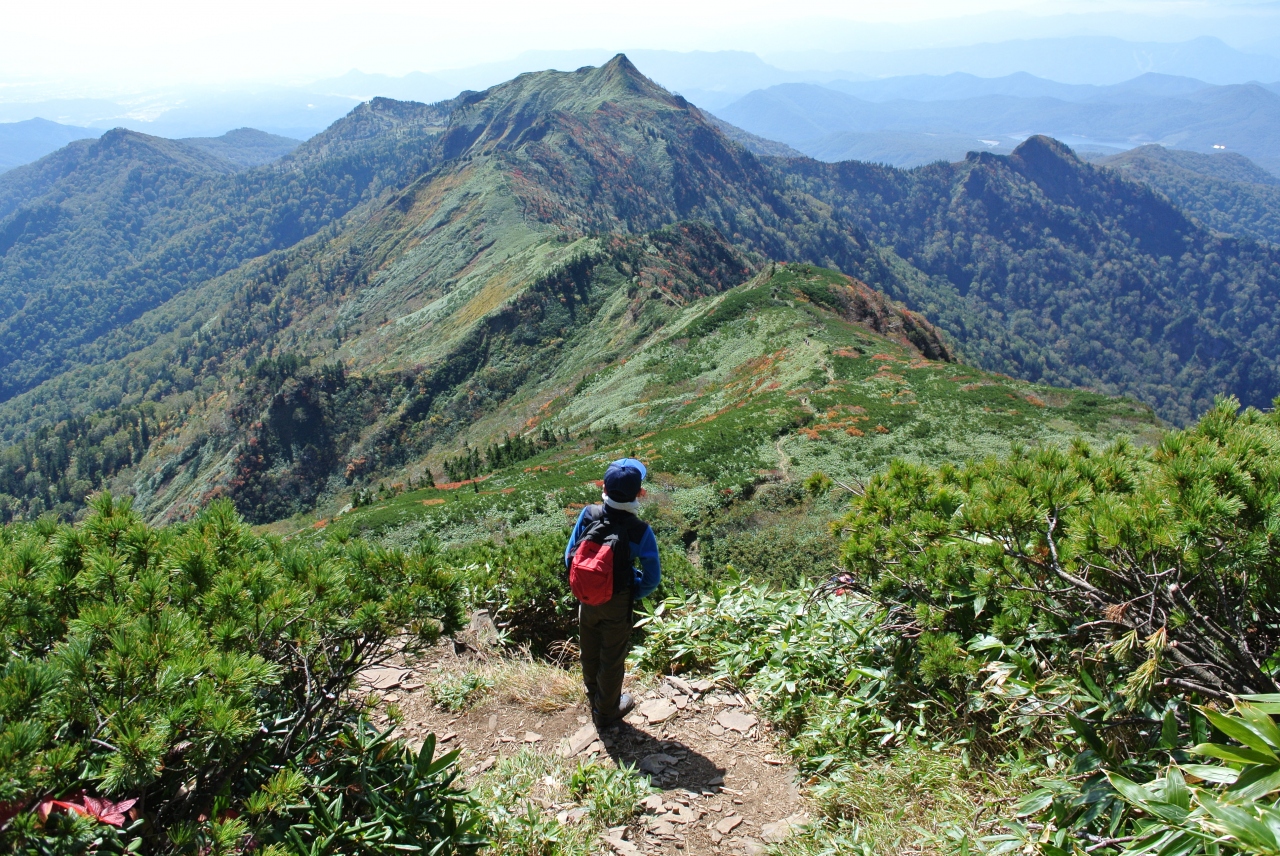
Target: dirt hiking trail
[722,786]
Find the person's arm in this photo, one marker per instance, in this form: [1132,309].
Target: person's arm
[649,575]
[573,538]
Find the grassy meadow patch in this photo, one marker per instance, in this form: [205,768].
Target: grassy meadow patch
[734,398]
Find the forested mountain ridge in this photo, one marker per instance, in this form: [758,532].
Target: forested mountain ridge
[98,233]
[1048,268]
[245,147]
[1226,192]
[90,251]
[445,254]
[1223,166]
[84,165]
[504,188]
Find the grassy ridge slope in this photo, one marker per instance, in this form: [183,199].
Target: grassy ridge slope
[485,233]
[733,401]
[533,181]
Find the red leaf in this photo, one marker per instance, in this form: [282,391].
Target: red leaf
[100,809]
[45,807]
[70,806]
[112,813]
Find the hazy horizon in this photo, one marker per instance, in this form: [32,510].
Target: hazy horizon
[141,46]
[291,70]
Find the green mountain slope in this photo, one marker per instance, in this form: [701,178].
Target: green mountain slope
[503,193]
[245,147]
[733,399]
[459,248]
[605,150]
[102,231]
[1226,192]
[295,434]
[1047,268]
[98,234]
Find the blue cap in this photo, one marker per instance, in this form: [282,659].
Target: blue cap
[622,479]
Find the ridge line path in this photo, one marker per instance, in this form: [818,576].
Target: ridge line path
[722,783]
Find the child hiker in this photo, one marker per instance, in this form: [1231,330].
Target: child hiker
[607,541]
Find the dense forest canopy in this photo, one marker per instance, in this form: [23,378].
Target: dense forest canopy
[1050,269]
[1226,192]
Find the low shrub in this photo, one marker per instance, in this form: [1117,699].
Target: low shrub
[456,693]
[611,793]
[158,684]
[781,553]
[889,764]
[1231,805]
[1161,561]
[801,657]
[371,795]
[523,584]
[917,800]
[522,793]
[1134,584]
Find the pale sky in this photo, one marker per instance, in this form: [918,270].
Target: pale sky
[149,43]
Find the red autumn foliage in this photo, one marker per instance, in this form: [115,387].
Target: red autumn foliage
[100,809]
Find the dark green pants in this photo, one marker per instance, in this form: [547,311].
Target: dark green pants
[604,632]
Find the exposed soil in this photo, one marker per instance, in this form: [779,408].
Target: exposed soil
[723,785]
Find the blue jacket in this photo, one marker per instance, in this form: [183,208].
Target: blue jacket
[646,552]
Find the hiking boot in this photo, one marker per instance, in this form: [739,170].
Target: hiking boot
[625,705]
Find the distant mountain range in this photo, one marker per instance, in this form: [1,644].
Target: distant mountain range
[711,79]
[297,113]
[960,85]
[1073,59]
[946,117]
[419,275]
[24,142]
[32,139]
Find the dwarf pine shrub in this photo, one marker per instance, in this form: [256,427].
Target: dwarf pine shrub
[1085,612]
[187,689]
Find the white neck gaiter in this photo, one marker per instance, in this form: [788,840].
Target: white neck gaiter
[633,506]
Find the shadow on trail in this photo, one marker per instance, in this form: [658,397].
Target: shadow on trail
[670,763]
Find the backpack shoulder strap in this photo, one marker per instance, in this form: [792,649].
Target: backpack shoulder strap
[638,529]
[627,523]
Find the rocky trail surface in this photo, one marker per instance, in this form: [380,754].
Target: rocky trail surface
[721,783]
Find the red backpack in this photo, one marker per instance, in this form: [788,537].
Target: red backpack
[601,564]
